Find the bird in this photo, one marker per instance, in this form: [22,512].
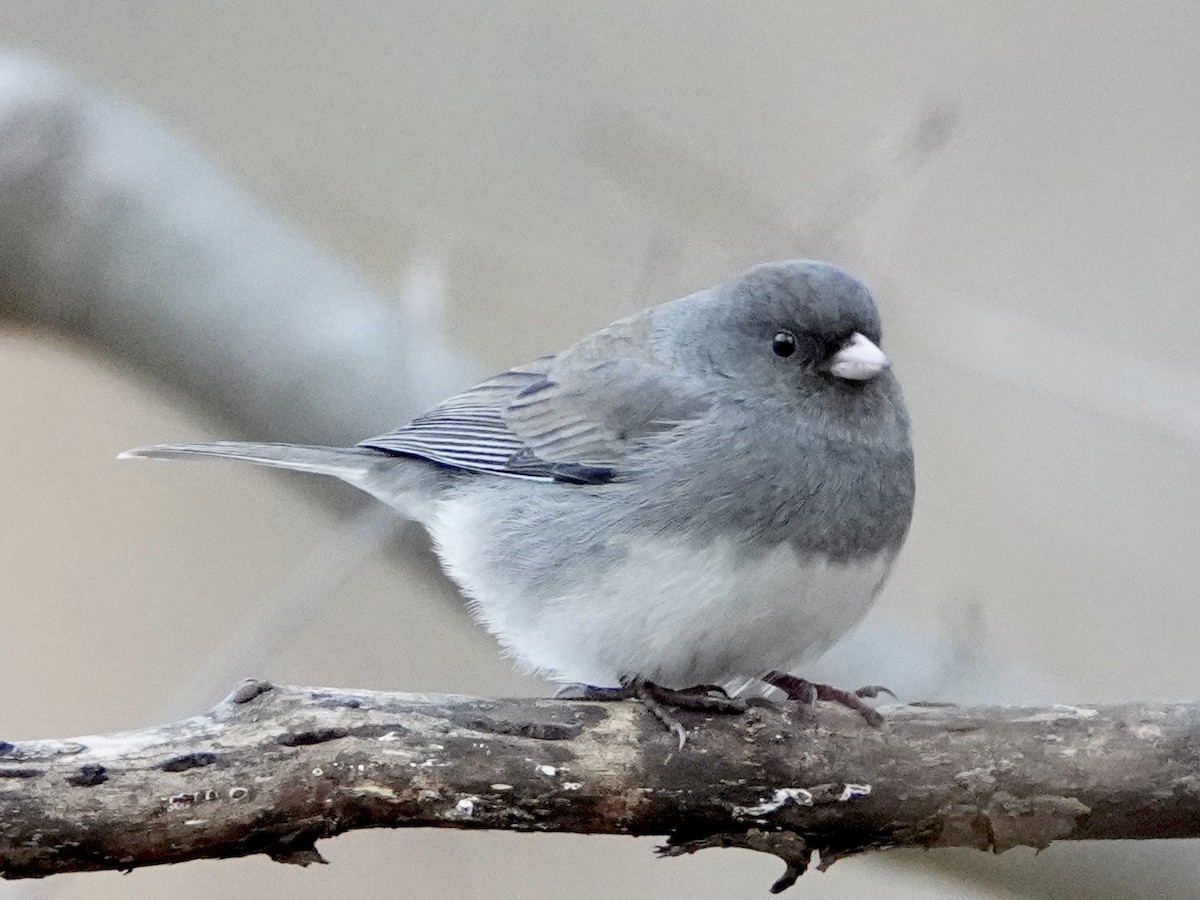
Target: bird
[702,496]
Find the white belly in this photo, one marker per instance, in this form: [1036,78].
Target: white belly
[666,611]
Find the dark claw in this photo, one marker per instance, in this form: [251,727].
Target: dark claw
[590,692]
[705,689]
[809,692]
[696,698]
[657,699]
[651,696]
[871,691]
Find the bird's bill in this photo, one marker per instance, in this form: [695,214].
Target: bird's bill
[858,360]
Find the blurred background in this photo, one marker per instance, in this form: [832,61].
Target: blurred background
[195,197]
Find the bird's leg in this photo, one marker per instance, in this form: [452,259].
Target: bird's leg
[809,692]
[656,698]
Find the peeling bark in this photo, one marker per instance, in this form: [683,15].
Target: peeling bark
[273,769]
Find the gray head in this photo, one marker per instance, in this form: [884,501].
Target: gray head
[788,330]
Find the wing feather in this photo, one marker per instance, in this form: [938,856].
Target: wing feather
[556,419]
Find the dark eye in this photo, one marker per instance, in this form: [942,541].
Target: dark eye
[784,344]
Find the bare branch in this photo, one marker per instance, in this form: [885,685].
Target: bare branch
[273,769]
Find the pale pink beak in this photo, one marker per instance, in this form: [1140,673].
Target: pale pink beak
[858,360]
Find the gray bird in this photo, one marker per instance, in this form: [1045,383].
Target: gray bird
[704,494]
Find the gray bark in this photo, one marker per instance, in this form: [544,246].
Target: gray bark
[272,769]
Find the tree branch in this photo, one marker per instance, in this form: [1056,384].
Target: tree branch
[272,769]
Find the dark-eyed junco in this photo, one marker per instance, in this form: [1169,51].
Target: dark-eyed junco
[709,492]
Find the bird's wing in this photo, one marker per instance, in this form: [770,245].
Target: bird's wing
[557,419]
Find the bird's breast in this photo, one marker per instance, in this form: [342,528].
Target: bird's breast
[683,613]
[678,608]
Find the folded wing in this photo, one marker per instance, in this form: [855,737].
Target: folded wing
[556,419]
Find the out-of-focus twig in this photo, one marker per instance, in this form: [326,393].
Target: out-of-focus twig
[120,236]
[698,198]
[1080,370]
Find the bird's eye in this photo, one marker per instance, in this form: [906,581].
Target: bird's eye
[784,344]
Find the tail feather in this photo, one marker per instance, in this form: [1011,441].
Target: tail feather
[351,464]
[406,484]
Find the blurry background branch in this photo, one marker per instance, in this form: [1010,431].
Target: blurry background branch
[118,235]
[273,769]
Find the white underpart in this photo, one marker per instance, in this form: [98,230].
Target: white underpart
[668,611]
[859,360]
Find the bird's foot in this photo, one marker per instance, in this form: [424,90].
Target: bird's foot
[591,692]
[657,699]
[706,697]
[809,692]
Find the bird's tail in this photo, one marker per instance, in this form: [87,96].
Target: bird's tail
[353,464]
[407,485]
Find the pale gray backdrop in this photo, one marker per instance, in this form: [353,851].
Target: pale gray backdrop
[563,164]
